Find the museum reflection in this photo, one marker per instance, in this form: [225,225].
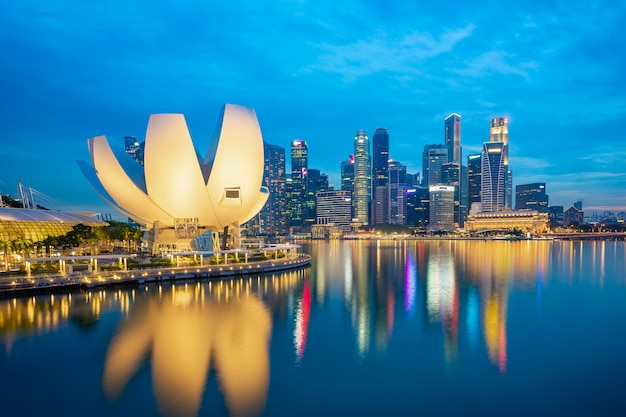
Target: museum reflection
[183,331]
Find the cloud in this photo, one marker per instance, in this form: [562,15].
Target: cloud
[495,62]
[385,54]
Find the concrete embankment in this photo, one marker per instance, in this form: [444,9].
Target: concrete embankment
[12,286]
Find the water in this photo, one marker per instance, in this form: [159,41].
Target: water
[372,328]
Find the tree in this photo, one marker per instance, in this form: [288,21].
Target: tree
[5,245]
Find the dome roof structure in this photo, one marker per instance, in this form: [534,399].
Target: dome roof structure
[175,183]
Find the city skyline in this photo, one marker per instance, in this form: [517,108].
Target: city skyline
[318,73]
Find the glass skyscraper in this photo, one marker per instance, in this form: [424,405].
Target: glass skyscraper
[432,159]
[493,177]
[453,137]
[273,215]
[499,132]
[298,188]
[362,177]
[474,179]
[531,197]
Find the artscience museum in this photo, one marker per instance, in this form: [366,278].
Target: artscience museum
[184,200]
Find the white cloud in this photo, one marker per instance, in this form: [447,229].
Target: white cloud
[385,54]
[495,62]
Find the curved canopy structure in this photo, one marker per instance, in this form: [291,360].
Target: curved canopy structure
[36,225]
[175,183]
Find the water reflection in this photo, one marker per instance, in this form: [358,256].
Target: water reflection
[184,331]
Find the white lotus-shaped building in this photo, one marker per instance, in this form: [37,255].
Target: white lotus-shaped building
[178,190]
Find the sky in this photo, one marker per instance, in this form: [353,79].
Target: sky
[319,71]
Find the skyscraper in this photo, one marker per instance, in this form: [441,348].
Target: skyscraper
[362,177]
[347,174]
[380,177]
[531,197]
[499,132]
[335,207]
[432,159]
[474,179]
[451,176]
[316,182]
[397,193]
[299,173]
[493,177]
[417,207]
[441,208]
[453,137]
[272,217]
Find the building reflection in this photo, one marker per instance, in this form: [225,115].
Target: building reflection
[462,287]
[183,330]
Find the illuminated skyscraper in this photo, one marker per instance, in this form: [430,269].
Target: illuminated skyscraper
[453,137]
[316,182]
[474,179]
[362,177]
[493,177]
[418,201]
[272,217]
[499,132]
[451,176]
[432,159]
[298,189]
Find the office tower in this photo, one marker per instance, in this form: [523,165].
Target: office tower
[441,208]
[134,148]
[432,159]
[380,168]
[272,217]
[463,198]
[316,182]
[499,132]
[412,180]
[493,177]
[417,207]
[453,137]
[474,179]
[335,207]
[451,175]
[362,177]
[531,197]
[347,174]
[397,193]
[299,173]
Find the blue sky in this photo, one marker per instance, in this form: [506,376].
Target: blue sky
[319,71]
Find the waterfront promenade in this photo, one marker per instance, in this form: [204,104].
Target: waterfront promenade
[17,284]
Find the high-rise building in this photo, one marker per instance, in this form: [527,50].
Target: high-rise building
[417,207]
[299,173]
[493,177]
[380,175]
[397,193]
[335,207]
[380,157]
[347,174]
[531,197]
[555,215]
[453,137]
[451,175]
[441,208]
[499,132]
[432,159]
[316,182]
[474,179]
[272,217]
[362,177]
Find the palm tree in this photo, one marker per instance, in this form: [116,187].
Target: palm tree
[5,245]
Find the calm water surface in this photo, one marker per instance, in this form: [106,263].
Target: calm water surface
[372,328]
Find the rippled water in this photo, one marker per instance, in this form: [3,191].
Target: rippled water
[372,328]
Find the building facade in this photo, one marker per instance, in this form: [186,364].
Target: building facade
[298,187]
[499,132]
[493,174]
[335,207]
[362,178]
[417,208]
[441,208]
[432,158]
[397,193]
[474,181]
[453,137]
[531,197]
[273,216]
